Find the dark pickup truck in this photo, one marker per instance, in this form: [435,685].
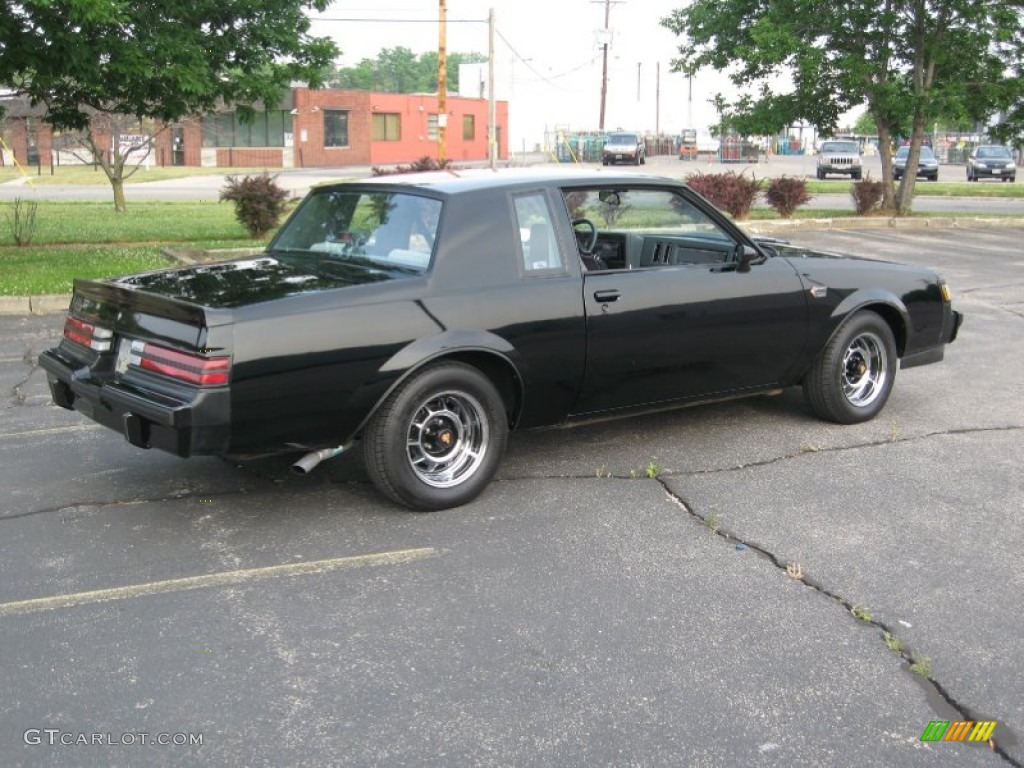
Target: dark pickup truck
[423,317]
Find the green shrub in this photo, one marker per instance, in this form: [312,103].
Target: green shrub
[867,195]
[787,193]
[732,192]
[259,202]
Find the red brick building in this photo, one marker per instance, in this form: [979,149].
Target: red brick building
[311,128]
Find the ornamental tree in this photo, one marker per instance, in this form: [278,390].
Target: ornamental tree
[908,61]
[154,60]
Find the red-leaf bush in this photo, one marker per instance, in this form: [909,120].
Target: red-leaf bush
[259,202]
[732,192]
[787,193]
[423,165]
[867,195]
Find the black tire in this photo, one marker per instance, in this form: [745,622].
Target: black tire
[821,175]
[852,377]
[438,439]
[643,160]
[857,177]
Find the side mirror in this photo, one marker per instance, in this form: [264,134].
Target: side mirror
[745,256]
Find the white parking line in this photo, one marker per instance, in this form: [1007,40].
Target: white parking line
[50,431]
[220,579]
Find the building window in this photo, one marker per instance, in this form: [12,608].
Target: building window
[387,126]
[468,127]
[335,128]
[432,127]
[266,129]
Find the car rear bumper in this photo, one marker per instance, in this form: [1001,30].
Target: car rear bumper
[198,425]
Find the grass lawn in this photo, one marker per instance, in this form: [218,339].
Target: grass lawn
[145,222]
[33,271]
[930,188]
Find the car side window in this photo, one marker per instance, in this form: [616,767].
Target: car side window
[643,227]
[538,244]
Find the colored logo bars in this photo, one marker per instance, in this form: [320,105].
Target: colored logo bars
[958,730]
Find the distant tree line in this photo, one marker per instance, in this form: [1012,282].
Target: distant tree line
[399,70]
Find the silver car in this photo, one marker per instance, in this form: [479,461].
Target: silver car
[840,157]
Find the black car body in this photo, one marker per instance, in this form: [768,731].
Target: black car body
[427,315]
[624,148]
[991,161]
[927,164]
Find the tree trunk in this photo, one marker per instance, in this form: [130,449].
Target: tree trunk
[885,152]
[119,203]
[905,195]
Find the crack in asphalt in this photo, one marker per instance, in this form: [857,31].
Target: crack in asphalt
[18,395]
[858,446]
[905,653]
[126,502]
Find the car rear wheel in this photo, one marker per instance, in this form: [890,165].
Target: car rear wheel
[437,440]
[852,377]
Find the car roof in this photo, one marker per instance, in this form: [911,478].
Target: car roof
[468,180]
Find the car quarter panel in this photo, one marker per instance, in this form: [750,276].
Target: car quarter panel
[311,369]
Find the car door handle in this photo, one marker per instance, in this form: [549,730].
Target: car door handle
[605,296]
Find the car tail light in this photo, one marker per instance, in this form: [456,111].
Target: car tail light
[87,334]
[183,366]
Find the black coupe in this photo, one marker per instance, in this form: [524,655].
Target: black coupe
[424,316]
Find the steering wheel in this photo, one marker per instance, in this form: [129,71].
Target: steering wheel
[586,240]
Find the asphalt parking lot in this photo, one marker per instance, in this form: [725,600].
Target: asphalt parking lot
[580,613]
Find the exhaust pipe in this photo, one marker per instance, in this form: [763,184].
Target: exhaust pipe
[308,463]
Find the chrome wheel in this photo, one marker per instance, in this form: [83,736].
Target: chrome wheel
[865,370]
[447,439]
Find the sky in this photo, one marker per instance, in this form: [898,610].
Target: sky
[547,59]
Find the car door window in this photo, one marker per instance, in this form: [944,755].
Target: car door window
[538,243]
[641,228]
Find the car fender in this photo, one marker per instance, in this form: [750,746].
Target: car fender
[463,345]
[885,303]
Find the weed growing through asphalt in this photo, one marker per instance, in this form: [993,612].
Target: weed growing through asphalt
[603,471]
[810,448]
[922,665]
[894,431]
[861,613]
[711,520]
[652,470]
[893,643]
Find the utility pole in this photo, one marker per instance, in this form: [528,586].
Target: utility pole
[492,107]
[442,83]
[606,33]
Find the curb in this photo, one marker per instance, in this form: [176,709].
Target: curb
[58,303]
[874,222]
[47,304]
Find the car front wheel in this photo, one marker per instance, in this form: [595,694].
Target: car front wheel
[852,377]
[437,440]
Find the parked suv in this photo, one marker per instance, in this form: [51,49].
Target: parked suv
[841,157]
[991,160]
[624,148]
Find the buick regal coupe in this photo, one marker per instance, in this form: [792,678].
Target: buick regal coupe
[423,317]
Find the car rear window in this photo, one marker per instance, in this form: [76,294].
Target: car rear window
[390,231]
